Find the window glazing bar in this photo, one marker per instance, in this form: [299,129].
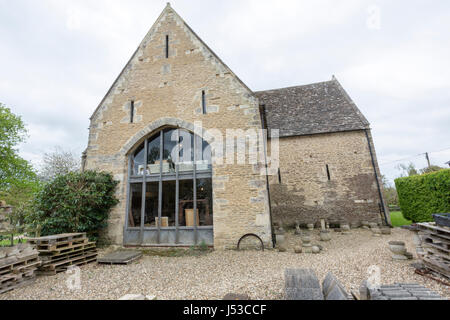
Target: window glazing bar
[144,191]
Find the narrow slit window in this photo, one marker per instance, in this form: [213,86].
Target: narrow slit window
[279,176]
[203,102]
[167,46]
[328,173]
[132,112]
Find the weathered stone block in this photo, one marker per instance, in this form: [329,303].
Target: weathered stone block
[303,294]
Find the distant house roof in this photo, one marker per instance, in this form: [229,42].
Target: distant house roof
[311,109]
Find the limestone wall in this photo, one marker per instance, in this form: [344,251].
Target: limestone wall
[306,195]
[168,91]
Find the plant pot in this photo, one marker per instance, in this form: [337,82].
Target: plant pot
[398,249]
[279,238]
[325,236]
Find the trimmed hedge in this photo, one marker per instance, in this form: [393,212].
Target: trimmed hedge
[421,196]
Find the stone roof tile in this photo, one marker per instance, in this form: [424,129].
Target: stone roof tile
[311,109]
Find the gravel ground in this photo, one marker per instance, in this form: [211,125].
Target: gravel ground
[258,274]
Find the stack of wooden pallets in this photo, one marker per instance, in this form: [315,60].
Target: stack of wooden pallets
[436,244]
[17,266]
[59,252]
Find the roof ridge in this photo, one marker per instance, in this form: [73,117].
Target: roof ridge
[292,87]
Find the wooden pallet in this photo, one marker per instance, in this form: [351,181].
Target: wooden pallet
[67,257]
[58,238]
[433,229]
[49,248]
[7,268]
[49,256]
[437,265]
[444,244]
[24,281]
[69,262]
[62,268]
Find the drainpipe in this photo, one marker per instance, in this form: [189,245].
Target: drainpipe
[380,193]
[262,111]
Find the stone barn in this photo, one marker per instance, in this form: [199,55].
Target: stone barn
[158,127]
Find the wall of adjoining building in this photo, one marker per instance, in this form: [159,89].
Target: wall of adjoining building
[307,193]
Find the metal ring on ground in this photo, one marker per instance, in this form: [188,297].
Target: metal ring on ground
[250,235]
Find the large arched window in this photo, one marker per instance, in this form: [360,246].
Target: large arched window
[170,179]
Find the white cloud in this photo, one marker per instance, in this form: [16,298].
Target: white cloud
[58,59]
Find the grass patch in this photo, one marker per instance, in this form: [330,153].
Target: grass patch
[398,220]
[6,241]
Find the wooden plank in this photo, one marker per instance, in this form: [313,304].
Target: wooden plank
[120,257]
[18,284]
[69,256]
[57,238]
[437,266]
[68,262]
[19,262]
[65,268]
[45,256]
[437,231]
[60,245]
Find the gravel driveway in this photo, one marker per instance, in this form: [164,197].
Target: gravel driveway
[258,274]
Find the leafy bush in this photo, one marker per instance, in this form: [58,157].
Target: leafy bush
[421,196]
[75,202]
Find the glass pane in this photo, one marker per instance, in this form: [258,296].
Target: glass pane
[154,147]
[138,161]
[204,156]
[186,203]
[168,207]
[204,201]
[186,151]
[134,220]
[151,204]
[169,150]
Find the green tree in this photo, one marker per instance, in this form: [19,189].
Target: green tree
[408,170]
[13,169]
[18,181]
[390,193]
[431,169]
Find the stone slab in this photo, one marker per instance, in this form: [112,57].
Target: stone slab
[301,278]
[304,294]
[120,257]
[336,293]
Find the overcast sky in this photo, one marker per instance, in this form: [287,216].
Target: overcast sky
[59,57]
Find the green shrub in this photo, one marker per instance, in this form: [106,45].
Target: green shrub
[421,196]
[75,202]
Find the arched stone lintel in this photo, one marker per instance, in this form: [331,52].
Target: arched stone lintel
[139,137]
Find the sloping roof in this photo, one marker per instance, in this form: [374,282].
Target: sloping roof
[311,109]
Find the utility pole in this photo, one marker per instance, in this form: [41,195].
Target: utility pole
[428,159]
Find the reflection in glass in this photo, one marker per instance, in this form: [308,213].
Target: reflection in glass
[138,161]
[177,147]
[168,204]
[151,204]
[186,200]
[134,219]
[204,201]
